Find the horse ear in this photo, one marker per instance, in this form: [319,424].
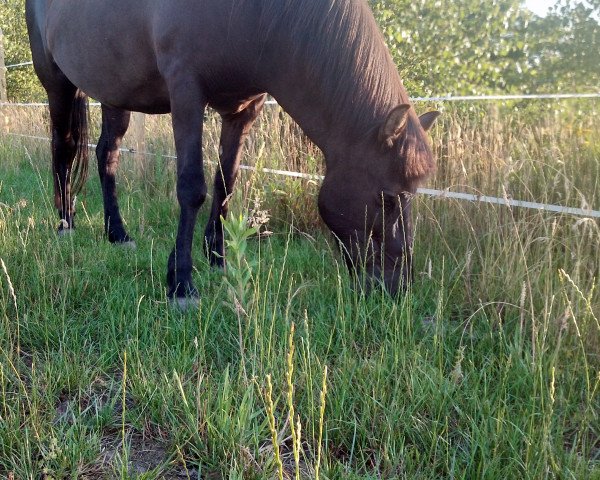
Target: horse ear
[394,124]
[428,119]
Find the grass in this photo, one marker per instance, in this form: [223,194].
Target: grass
[488,368]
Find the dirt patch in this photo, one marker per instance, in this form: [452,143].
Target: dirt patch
[144,455]
[103,392]
[146,452]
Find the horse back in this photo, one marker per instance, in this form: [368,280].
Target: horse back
[123,52]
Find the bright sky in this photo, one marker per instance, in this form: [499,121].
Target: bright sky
[540,7]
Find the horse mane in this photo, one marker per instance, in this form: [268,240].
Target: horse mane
[363,87]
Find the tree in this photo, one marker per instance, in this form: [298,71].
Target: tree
[446,46]
[565,48]
[22,83]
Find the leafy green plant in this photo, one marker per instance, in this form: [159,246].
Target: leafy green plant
[238,270]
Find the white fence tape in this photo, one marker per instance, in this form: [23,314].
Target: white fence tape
[470,98]
[507,202]
[36,104]
[22,64]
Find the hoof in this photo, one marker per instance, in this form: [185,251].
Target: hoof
[128,245]
[214,259]
[428,322]
[217,263]
[66,232]
[184,304]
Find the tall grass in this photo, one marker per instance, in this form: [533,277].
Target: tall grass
[488,368]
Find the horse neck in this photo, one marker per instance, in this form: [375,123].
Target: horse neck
[338,86]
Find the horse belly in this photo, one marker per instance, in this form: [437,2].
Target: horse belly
[111,60]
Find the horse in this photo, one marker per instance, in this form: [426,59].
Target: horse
[324,61]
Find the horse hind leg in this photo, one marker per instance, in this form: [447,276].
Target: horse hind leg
[233,133]
[68,114]
[114,125]
[68,117]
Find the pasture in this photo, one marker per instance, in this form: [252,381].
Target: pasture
[489,367]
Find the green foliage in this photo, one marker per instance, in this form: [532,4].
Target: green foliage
[239,269]
[442,46]
[564,48]
[22,83]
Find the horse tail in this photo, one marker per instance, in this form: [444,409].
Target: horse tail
[79,132]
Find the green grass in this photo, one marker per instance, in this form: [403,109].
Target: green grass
[488,368]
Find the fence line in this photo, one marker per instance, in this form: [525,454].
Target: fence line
[449,98]
[506,201]
[532,96]
[22,64]
[36,104]
[475,98]
[509,202]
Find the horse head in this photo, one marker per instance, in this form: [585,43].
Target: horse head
[366,196]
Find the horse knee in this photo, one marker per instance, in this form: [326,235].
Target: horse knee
[200,195]
[191,194]
[101,148]
[64,148]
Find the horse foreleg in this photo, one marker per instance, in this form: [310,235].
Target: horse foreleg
[187,112]
[114,125]
[233,133]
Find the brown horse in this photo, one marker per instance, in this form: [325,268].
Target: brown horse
[324,61]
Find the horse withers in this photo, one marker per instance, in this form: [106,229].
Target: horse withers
[324,61]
